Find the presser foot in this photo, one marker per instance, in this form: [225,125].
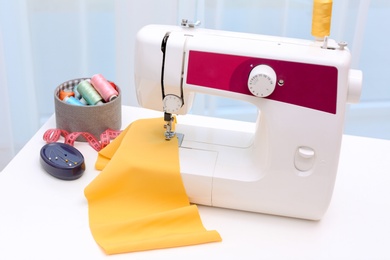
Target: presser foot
[169,126]
[170,135]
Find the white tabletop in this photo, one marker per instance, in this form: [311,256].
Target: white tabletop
[45,218]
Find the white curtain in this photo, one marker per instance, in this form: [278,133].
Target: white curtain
[19,116]
[6,145]
[46,42]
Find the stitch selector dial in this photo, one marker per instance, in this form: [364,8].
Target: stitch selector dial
[262,81]
[172,104]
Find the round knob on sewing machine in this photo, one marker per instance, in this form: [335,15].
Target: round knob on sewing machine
[172,103]
[262,81]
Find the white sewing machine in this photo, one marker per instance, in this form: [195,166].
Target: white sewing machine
[288,164]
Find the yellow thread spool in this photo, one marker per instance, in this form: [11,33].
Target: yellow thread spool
[322,14]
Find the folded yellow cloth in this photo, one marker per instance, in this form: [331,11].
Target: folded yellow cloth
[138,201]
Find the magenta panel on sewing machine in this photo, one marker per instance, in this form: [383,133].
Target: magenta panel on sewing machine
[307,85]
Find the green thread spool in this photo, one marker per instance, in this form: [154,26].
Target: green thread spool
[89,93]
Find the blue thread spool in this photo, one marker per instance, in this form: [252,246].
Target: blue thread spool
[89,93]
[76,93]
[73,101]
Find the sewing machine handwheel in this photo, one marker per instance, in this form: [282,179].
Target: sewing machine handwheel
[172,103]
[262,81]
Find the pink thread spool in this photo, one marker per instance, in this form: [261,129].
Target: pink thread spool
[104,88]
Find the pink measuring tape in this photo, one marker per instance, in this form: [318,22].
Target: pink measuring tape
[53,135]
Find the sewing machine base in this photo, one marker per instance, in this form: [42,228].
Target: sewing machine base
[217,171]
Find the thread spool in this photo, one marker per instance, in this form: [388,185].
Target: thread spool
[65,93]
[321,20]
[78,96]
[82,100]
[88,92]
[113,85]
[104,88]
[76,93]
[72,101]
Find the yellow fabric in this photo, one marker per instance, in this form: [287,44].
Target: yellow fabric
[138,201]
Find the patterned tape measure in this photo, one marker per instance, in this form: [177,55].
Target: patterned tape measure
[53,135]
